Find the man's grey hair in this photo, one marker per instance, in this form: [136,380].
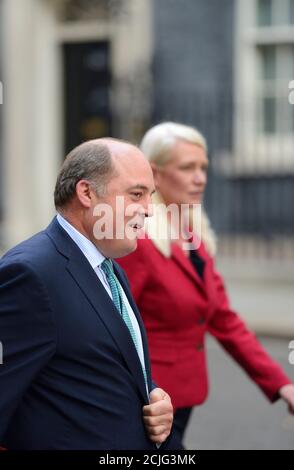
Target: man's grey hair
[89,161]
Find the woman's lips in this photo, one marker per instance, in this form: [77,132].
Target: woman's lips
[196,194]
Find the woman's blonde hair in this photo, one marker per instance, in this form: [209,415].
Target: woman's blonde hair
[158,141]
[156,145]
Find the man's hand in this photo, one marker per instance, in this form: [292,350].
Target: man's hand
[158,416]
[287,393]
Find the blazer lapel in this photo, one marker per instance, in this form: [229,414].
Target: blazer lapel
[86,278]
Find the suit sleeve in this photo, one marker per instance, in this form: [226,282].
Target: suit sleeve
[27,335]
[232,333]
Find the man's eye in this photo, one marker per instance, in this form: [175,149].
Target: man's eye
[137,195]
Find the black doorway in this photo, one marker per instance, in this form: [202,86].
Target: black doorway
[87,84]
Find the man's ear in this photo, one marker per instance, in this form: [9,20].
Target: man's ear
[84,193]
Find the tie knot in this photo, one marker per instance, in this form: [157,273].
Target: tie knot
[107,266]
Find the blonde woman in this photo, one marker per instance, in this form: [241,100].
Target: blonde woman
[179,293]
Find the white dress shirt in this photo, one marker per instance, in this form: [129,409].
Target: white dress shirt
[95,259]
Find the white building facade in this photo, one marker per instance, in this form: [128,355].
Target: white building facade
[33,36]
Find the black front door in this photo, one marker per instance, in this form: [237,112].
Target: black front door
[87,82]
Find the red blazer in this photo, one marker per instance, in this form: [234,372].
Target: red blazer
[178,308]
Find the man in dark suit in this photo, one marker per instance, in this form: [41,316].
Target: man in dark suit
[76,371]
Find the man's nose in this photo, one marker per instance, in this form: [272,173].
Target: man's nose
[148,207]
[150,210]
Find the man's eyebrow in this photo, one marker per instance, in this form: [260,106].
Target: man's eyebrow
[142,187]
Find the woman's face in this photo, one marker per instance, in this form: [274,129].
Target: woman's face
[183,178]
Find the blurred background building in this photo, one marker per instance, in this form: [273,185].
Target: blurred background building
[77,69]
[72,70]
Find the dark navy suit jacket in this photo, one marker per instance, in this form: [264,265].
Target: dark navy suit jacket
[71,377]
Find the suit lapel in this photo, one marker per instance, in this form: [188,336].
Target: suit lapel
[89,283]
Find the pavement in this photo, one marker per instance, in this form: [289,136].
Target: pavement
[237,415]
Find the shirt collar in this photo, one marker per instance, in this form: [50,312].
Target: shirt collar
[88,248]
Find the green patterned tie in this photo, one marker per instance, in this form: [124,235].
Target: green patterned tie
[116,292]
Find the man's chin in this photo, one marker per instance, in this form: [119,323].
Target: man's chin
[127,249]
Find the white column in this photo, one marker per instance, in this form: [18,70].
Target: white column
[32,116]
